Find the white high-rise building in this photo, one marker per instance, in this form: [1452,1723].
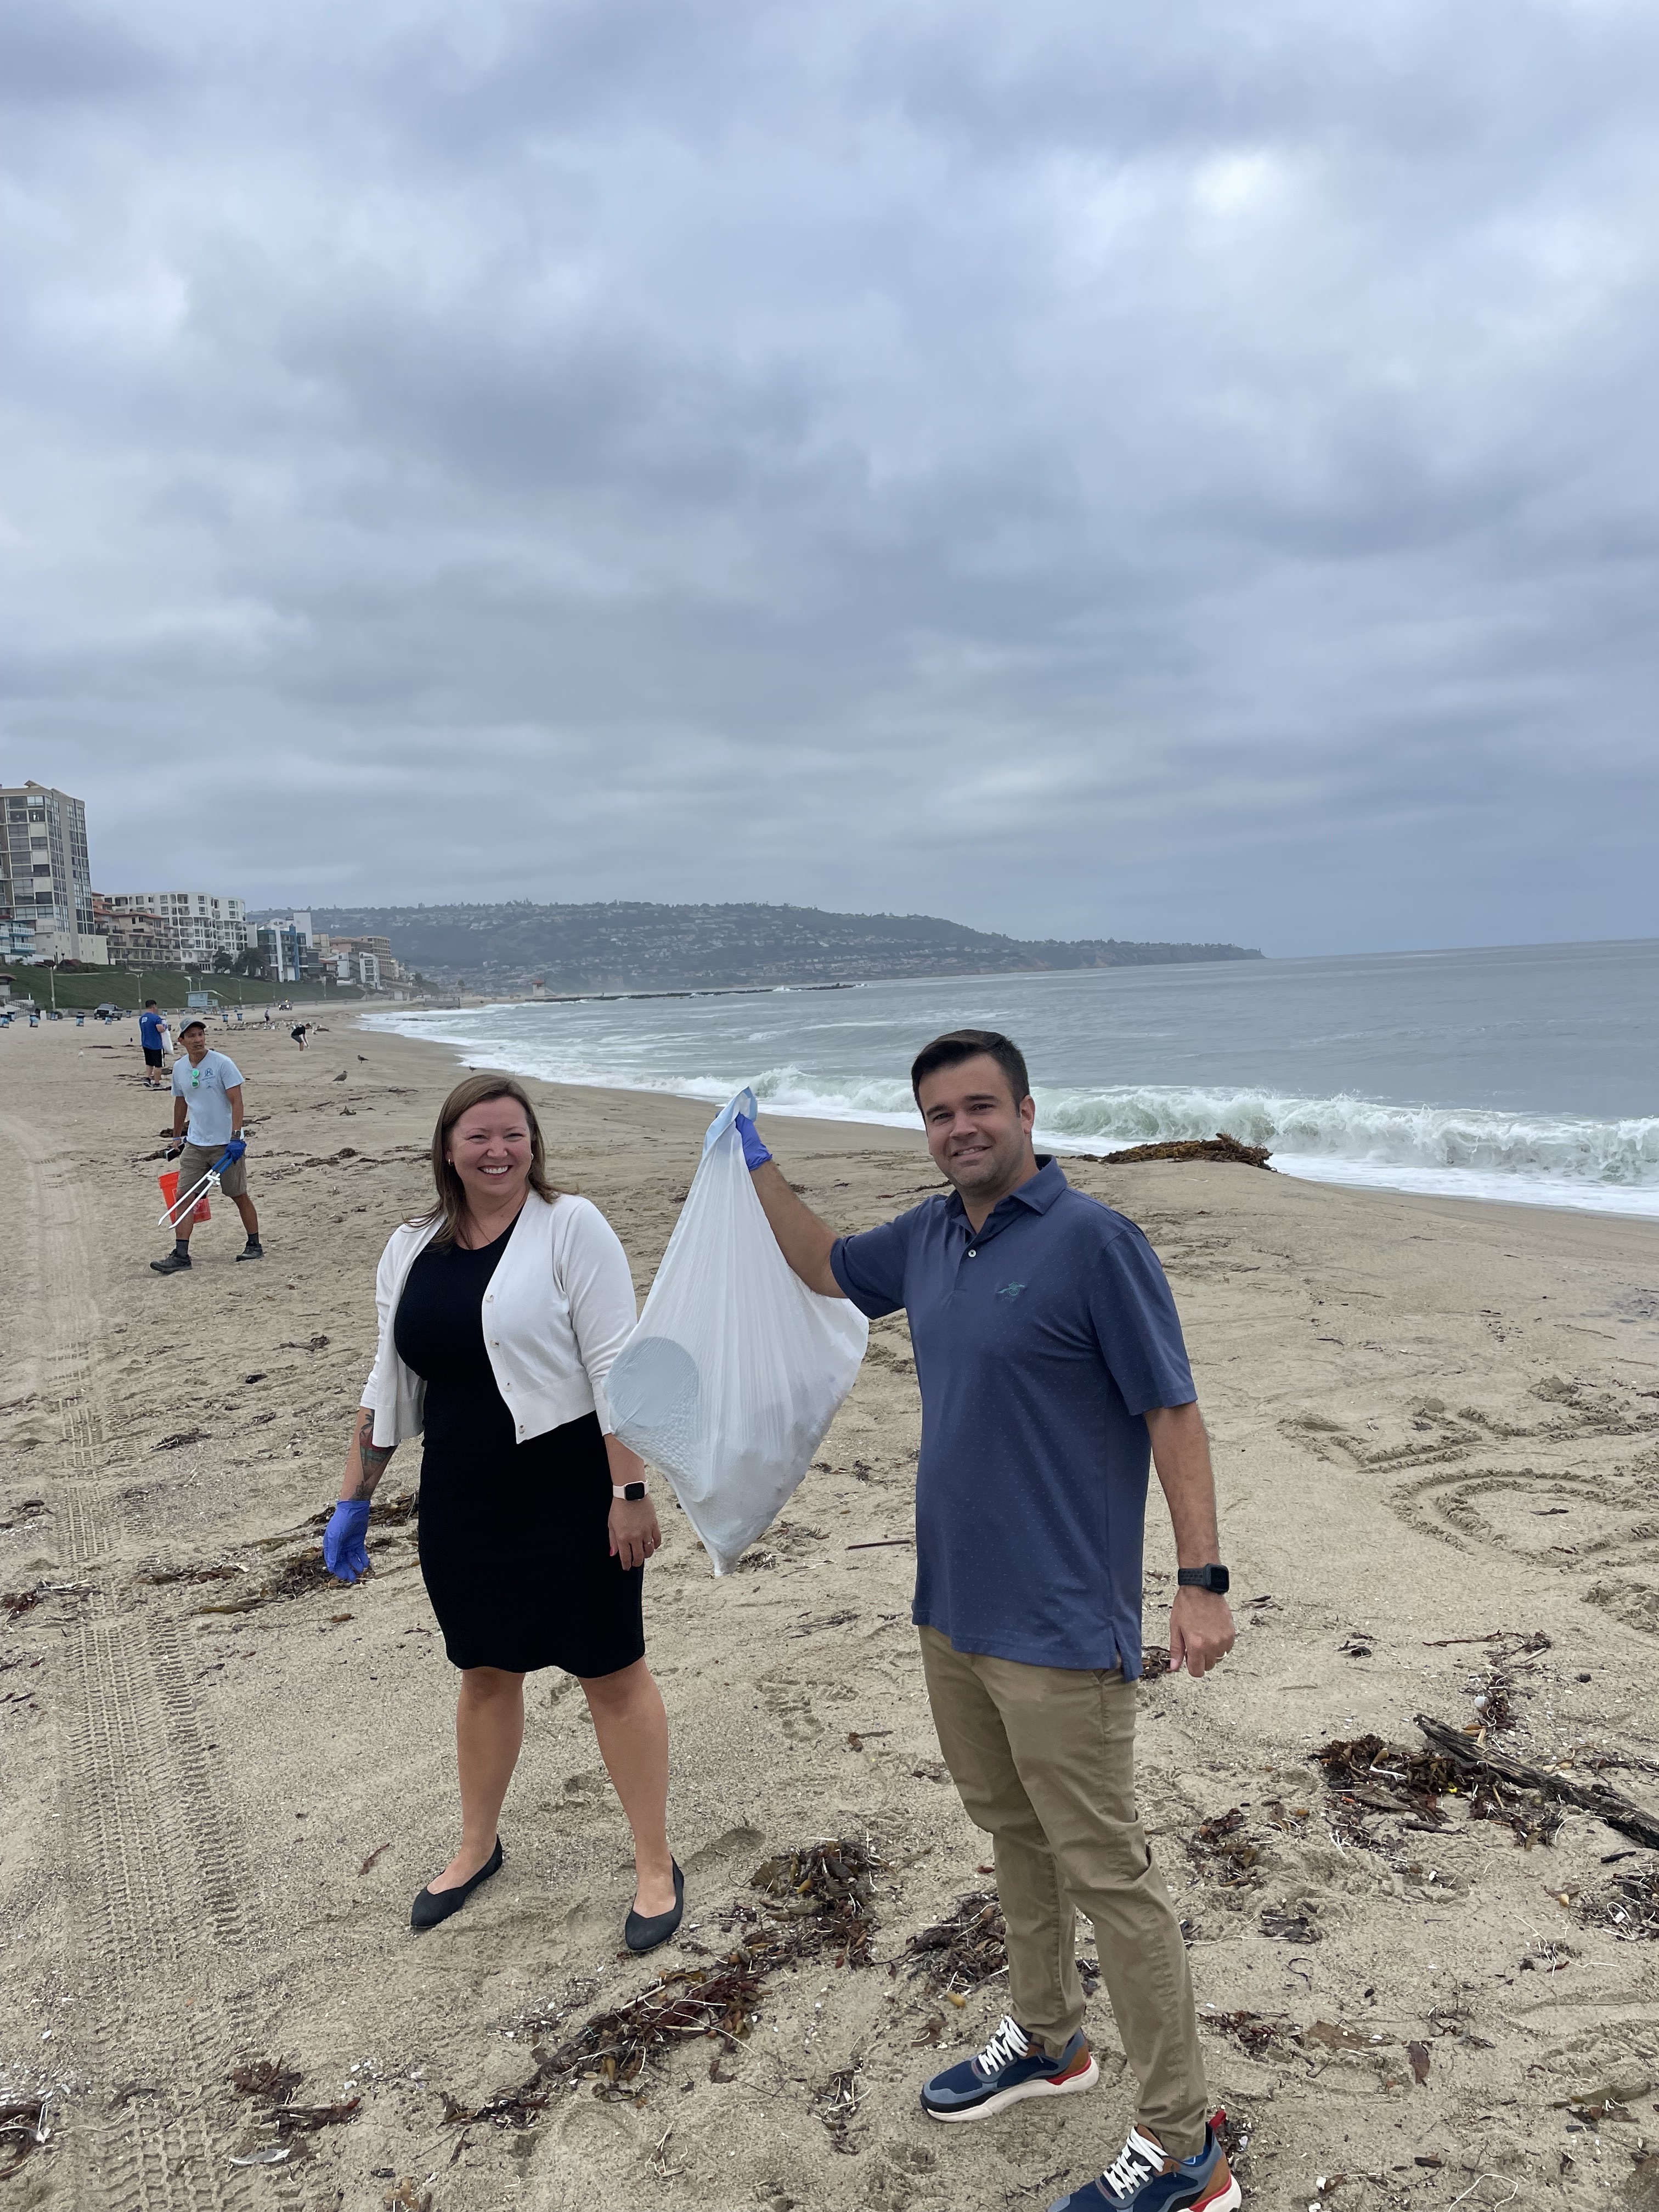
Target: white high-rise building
[45,878]
[204,923]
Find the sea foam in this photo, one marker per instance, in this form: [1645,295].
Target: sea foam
[1601,1166]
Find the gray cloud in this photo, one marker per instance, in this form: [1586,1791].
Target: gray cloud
[1078,471]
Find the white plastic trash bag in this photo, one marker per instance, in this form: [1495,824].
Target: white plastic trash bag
[736,1369]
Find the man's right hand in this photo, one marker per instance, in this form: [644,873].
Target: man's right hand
[754,1154]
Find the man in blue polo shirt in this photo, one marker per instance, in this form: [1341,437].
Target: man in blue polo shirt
[1052,1370]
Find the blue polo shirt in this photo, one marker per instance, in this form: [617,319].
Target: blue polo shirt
[1040,1343]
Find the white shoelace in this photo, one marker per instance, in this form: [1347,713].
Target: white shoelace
[1138,2161]
[1009,2043]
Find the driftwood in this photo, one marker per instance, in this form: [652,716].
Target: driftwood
[1589,1796]
[1219,1147]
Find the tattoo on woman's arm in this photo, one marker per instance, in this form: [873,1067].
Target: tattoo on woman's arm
[373,1459]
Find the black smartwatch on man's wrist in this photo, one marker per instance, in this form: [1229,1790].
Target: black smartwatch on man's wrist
[1209,1579]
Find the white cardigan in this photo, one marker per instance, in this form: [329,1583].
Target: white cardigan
[559,1307]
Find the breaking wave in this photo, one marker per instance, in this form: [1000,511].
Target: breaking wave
[1473,1152]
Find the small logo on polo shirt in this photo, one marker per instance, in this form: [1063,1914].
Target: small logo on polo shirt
[1010,1290]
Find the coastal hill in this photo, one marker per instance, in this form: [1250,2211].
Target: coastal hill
[629,945]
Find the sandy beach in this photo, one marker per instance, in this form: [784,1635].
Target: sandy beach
[1434,1423]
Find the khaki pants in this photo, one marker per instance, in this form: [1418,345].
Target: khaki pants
[1043,1758]
[197,1160]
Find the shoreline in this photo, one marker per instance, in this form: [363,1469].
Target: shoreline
[1434,1423]
[1479,1187]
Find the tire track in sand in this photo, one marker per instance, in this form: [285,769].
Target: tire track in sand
[154,1886]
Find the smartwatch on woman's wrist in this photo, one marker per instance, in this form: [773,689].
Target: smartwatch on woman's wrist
[631,1492]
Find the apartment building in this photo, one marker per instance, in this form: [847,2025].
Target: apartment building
[136,937]
[203,924]
[45,878]
[335,947]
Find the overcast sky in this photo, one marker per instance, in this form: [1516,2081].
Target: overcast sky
[1153,472]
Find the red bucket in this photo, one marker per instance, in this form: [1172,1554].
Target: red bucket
[169,1183]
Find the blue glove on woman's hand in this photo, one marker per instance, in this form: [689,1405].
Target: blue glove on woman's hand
[344,1552]
[754,1154]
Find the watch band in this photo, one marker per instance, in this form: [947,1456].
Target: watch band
[1212,1577]
[631,1491]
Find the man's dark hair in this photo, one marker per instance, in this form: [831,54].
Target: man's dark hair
[149,1002]
[957,1045]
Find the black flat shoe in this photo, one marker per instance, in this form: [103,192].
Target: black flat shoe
[433,1905]
[641,1934]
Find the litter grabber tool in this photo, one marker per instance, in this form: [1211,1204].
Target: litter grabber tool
[179,1204]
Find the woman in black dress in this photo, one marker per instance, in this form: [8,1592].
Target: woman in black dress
[500,1312]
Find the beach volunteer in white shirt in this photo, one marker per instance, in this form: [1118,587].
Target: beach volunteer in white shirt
[500,1312]
[207,1115]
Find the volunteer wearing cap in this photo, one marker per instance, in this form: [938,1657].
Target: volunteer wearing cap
[207,1116]
[502,1311]
[1051,1366]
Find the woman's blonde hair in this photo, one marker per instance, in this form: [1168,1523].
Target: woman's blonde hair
[478,1090]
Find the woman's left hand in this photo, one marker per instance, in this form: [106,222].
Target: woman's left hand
[635,1534]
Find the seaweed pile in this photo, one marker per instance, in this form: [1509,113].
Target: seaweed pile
[1628,1908]
[829,1889]
[1220,1846]
[1221,1147]
[965,1951]
[820,1906]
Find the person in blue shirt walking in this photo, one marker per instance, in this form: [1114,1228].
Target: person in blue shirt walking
[1052,1370]
[207,1116]
[152,1032]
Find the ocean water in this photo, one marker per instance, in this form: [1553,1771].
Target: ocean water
[1525,1074]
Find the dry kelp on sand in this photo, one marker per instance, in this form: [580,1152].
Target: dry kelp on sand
[720,1999]
[302,1571]
[1258,2033]
[265,2077]
[1628,1907]
[831,1884]
[1365,1773]
[1221,1147]
[1497,1773]
[23,2129]
[1221,1846]
[274,2083]
[820,1906]
[969,1949]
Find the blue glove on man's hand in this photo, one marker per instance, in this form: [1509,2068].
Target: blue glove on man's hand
[234,1150]
[344,1552]
[754,1154]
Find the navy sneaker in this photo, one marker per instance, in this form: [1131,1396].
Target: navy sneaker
[1144,2177]
[1010,2067]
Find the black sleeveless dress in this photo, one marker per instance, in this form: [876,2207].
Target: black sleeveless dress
[514,1537]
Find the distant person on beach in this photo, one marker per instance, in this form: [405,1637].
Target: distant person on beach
[151,1031]
[301,1034]
[1051,1366]
[502,1311]
[207,1117]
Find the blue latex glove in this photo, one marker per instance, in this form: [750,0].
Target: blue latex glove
[233,1152]
[344,1552]
[754,1154]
